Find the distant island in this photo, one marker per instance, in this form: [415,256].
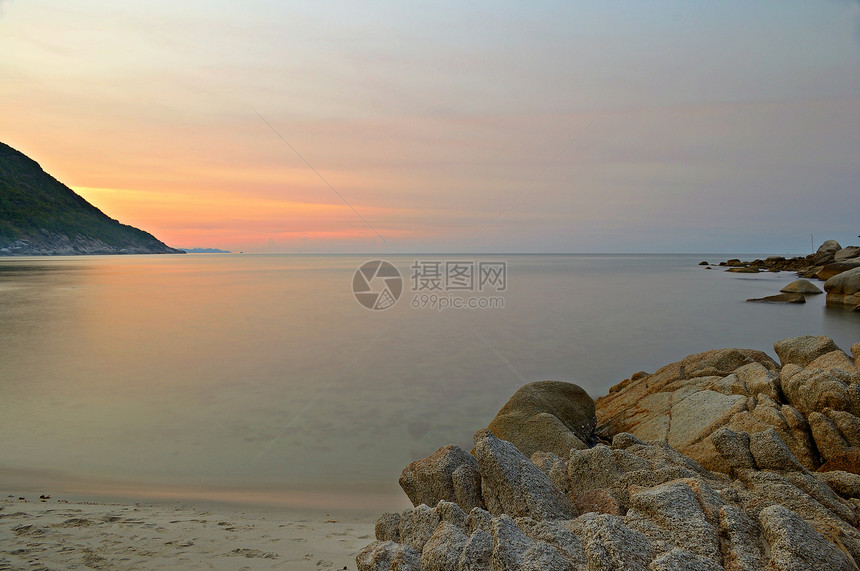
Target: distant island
[204,251]
[40,216]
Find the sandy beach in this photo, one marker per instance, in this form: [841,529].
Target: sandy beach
[58,533]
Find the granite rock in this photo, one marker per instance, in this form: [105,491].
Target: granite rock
[802,286]
[550,416]
[449,474]
[512,485]
[710,467]
[844,288]
[803,350]
[794,544]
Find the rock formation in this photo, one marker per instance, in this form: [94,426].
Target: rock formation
[830,259]
[709,463]
[801,286]
[844,289]
[781,298]
[838,266]
[547,415]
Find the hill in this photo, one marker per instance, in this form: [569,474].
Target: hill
[41,216]
[204,251]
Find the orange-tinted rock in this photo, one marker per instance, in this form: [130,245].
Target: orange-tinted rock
[847,461]
[844,288]
[599,500]
[835,269]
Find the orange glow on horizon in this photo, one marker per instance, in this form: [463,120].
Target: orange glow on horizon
[225,220]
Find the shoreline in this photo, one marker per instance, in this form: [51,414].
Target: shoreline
[65,533]
[50,520]
[356,500]
[54,525]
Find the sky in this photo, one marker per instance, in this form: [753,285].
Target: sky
[378,126]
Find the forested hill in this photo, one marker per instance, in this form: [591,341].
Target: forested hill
[41,216]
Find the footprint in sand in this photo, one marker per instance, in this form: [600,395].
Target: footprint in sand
[250,553]
[28,530]
[75,522]
[16,514]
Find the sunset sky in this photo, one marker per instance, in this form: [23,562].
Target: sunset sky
[581,126]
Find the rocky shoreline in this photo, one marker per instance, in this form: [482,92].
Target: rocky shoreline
[726,459]
[830,259]
[53,244]
[838,267]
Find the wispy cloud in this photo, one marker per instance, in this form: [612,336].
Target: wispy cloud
[444,134]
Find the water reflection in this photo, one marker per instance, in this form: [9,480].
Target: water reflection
[263,370]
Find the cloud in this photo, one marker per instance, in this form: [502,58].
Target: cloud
[855,8]
[857,16]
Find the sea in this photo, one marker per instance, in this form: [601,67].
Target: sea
[312,380]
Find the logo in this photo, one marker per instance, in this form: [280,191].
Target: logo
[377,285]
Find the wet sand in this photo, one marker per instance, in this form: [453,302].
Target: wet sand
[58,533]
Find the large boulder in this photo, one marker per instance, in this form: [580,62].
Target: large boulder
[836,362]
[513,485]
[449,474]
[700,414]
[514,550]
[804,287]
[385,555]
[794,544]
[829,247]
[443,550]
[849,253]
[685,403]
[549,416]
[610,545]
[645,399]
[828,438]
[811,390]
[803,350]
[844,288]
[771,453]
[682,404]
[673,511]
[836,268]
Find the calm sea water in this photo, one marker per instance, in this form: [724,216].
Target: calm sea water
[247,372]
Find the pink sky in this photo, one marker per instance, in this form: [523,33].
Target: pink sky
[579,128]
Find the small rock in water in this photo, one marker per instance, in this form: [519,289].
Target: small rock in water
[781,298]
[804,287]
